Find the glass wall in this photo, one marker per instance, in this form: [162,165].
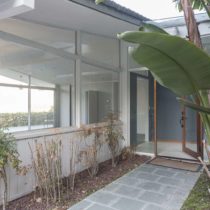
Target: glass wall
[36,89]
[99,93]
[42,111]
[14,108]
[37,84]
[103,49]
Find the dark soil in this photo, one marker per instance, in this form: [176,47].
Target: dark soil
[84,185]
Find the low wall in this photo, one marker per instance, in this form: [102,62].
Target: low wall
[22,185]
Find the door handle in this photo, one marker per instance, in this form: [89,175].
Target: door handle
[181,121]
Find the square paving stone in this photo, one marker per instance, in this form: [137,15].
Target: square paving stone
[150,186]
[99,207]
[147,176]
[166,190]
[164,173]
[82,205]
[153,197]
[111,187]
[181,193]
[102,197]
[128,191]
[188,179]
[174,204]
[128,181]
[146,169]
[154,207]
[128,204]
[170,181]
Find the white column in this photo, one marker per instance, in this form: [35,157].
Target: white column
[125,92]
[77,80]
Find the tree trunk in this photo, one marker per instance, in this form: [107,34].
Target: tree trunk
[192,27]
[194,37]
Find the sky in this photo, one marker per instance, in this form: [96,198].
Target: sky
[153,9]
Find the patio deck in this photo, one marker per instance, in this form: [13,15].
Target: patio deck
[147,187]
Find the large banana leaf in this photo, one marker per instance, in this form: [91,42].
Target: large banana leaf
[174,62]
[149,27]
[193,106]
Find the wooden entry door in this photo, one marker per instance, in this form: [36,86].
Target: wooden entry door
[184,125]
[191,133]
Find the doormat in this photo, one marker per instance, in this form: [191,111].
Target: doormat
[177,164]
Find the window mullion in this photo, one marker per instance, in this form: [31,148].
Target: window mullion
[29,104]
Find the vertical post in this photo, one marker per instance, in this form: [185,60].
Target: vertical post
[29,103]
[78,81]
[57,108]
[125,92]
[155,118]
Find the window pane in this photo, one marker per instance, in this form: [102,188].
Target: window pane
[12,77]
[14,108]
[42,109]
[133,66]
[57,73]
[40,83]
[99,93]
[100,48]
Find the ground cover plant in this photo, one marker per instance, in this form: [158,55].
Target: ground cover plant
[199,198]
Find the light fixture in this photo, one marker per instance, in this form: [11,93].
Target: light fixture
[10,8]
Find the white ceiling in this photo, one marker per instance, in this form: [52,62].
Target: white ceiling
[63,13]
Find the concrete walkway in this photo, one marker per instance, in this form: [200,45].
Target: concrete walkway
[147,187]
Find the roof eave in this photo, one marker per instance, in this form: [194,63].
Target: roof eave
[114,10]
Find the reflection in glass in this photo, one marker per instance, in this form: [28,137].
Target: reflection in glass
[191,129]
[42,109]
[12,77]
[14,108]
[100,48]
[99,93]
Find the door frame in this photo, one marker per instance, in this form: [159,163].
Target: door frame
[133,105]
[184,147]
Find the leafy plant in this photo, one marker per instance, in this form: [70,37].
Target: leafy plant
[113,135]
[129,152]
[8,157]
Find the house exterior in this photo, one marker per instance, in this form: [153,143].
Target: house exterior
[61,66]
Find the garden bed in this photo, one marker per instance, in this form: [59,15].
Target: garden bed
[84,185]
[199,198]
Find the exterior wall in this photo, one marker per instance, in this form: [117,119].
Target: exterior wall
[125,92]
[22,185]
